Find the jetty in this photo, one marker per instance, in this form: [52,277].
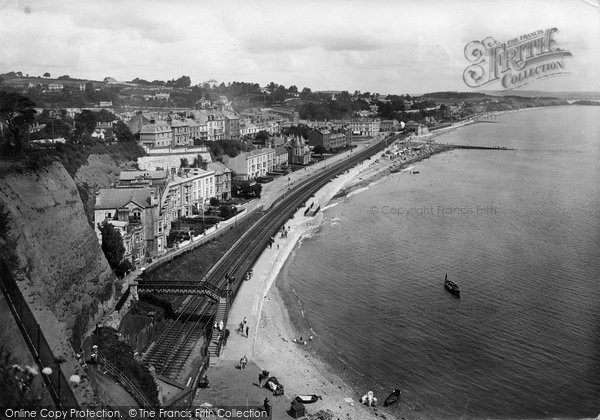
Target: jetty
[466,146]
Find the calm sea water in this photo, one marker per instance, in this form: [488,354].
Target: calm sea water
[519,231]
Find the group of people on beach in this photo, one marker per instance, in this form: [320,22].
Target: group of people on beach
[301,340]
[243,327]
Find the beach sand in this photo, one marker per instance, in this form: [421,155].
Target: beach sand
[270,344]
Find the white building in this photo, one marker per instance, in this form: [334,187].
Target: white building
[253,164]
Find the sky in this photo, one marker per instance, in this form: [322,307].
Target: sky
[385,46]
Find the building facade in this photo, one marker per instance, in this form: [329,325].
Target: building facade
[156,135]
[253,164]
[133,211]
[222,179]
[329,138]
[298,151]
[181,134]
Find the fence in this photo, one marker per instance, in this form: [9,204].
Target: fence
[57,383]
[209,235]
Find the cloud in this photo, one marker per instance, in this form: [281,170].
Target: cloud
[380,46]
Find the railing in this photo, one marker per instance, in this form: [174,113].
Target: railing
[197,288]
[57,383]
[125,382]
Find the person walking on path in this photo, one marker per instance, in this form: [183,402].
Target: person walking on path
[247,329]
[243,362]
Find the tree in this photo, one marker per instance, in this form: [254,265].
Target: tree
[122,131]
[64,77]
[319,149]
[306,93]
[293,89]
[86,121]
[227,212]
[46,74]
[184,163]
[262,136]
[112,245]
[198,161]
[256,190]
[17,114]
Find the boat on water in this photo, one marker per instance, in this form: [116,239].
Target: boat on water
[393,398]
[451,286]
[308,399]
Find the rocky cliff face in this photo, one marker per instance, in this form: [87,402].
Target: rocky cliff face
[61,264]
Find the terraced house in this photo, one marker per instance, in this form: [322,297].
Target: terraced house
[329,139]
[156,135]
[181,133]
[253,164]
[189,190]
[222,179]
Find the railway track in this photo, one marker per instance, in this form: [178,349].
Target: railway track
[170,351]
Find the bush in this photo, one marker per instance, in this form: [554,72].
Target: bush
[227,212]
[214,201]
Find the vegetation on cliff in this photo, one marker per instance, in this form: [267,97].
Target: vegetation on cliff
[121,355]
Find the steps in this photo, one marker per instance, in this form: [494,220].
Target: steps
[214,347]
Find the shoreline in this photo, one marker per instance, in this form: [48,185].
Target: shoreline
[270,344]
[275,315]
[275,318]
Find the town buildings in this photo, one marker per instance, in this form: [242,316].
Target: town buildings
[251,165]
[134,212]
[298,150]
[329,138]
[281,157]
[389,125]
[188,191]
[416,128]
[145,203]
[156,135]
[364,127]
[181,133]
[222,179]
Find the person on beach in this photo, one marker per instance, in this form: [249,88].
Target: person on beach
[266,404]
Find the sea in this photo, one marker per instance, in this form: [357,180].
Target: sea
[517,230]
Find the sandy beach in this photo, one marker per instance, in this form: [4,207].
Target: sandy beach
[270,343]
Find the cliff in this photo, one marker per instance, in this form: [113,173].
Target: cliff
[61,266]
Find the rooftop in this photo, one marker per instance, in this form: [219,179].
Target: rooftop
[119,197]
[218,167]
[157,127]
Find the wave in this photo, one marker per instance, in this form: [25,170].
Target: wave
[359,190]
[330,206]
